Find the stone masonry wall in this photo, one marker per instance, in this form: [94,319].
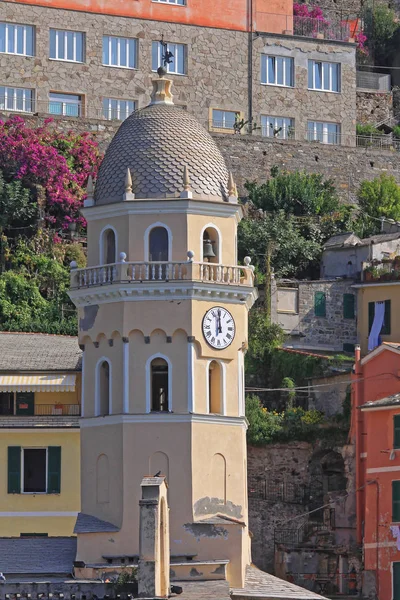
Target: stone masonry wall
[250,157]
[374,107]
[217,68]
[333,330]
[297,464]
[299,102]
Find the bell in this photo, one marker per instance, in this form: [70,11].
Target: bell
[208,251]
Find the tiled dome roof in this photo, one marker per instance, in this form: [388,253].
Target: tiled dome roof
[156,143]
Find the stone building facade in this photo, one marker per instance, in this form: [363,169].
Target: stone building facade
[222,71]
[316,315]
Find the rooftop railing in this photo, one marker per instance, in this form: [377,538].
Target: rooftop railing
[161,272]
[321,28]
[40,410]
[378,271]
[377,82]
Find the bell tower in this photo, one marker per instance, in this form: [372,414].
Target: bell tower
[162,309]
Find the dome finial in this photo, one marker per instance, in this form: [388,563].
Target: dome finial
[161,89]
[232,189]
[89,200]
[128,186]
[187,192]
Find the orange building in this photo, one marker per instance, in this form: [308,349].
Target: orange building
[274,16]
[376,429]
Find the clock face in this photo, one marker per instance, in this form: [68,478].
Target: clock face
[218,327]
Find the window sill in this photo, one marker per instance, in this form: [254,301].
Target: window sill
[34,493]
[66,60]
[120,67]
[169,73]
[279,85]
[169,3]
[21,55]
[326,91]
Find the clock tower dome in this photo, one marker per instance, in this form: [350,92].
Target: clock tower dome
[163,309]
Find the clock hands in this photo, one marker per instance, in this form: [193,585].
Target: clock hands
[219,328]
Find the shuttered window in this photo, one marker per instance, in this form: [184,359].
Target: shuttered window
[54,470]
[395,501]
[14,469]
[320,304]
[386,322]
[349,306]
[396,436]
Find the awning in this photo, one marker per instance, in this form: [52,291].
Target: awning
[37,383]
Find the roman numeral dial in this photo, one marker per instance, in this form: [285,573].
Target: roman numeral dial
[218,327]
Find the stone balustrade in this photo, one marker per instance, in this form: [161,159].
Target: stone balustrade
[161,272]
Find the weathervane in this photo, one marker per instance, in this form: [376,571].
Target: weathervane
[166,56]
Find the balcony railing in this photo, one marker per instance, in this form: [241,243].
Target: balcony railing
[377,82]
[40,410]
[379,271]
[161,272]
[321,28]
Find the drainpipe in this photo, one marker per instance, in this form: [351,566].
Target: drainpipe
[250,66]
[376,482]
[357,433]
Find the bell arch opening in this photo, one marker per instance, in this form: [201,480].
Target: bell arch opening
[108,247]
[211,245]
[159,372]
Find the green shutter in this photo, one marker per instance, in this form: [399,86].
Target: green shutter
[14,469]
[395,501]
[54,469]
[396,436]
[371,314]
[320,304]
[386,323]
[349,306]
[396,580]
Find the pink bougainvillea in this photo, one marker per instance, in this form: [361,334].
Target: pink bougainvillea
[59,163]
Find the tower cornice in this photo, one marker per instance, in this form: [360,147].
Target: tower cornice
[163,417]
[164,206]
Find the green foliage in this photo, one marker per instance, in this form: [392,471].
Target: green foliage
[366,129]
[302,212]
[290,395]
[380,27]
[263,338]
[298,193]
[16,208]
[396,132]
[296,366]
[33,293]
[267,427]
[127,576]
[378,198]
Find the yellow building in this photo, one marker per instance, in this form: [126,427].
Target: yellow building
[163,311]
[40,380]
[378,315]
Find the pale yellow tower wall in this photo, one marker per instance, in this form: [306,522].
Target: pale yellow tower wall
[186,230]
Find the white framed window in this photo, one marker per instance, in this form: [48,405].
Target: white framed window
[326,133]
[68,105]
[323,76]
[16,39]
[224,119]
[177,57]
[116,108]
[16,99]
[180,2]
[277,70]
[120,52]
[277,127]
[67,45]
[34,471]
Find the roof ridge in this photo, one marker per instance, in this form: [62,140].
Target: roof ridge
[38,333]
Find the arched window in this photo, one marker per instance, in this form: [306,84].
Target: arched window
[215,387]
[103,392]
[159,385]
[211,245]
[108,247]
[158,245]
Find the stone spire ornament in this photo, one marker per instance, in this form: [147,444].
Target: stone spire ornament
[232,190]
[161,93]
[89,200]
[128,195]
[187,192]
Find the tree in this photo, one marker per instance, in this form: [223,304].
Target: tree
[15,205]
[43,159]
[33,292]
[380,26]
[298,193]
[378,198]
